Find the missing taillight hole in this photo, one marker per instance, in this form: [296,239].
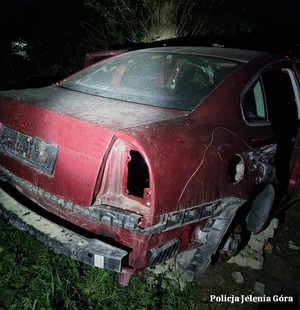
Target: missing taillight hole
[236,169]
[138,175]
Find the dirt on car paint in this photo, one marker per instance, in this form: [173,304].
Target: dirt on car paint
[277,283]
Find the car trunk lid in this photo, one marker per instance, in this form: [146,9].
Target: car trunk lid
[108,113]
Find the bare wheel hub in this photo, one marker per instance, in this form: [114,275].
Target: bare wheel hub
[232,244]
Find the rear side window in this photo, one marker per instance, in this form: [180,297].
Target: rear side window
[254,103]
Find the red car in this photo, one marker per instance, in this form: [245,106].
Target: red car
[153,154]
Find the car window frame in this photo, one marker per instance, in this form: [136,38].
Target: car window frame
[294,81]
[251,84]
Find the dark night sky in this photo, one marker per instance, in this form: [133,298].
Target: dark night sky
[54,28]
[39,19]
[281,17]
[36,18]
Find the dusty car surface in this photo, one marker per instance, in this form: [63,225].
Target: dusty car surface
[153,154]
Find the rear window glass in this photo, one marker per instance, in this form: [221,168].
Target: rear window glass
[176,81]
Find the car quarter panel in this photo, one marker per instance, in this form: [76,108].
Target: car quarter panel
[189,157]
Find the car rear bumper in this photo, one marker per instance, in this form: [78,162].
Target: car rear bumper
[62,240]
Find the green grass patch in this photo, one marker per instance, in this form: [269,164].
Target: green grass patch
[32,276]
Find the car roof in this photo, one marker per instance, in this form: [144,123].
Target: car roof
[229,53]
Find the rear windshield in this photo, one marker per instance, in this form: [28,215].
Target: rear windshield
[171,80]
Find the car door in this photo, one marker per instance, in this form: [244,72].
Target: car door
[294,181]
[281,91]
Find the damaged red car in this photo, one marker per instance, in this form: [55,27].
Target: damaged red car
[153,154]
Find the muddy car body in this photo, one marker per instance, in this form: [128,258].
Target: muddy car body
[155,153]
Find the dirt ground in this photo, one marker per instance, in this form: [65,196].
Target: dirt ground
[279,278]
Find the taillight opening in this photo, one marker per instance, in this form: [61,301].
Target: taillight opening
[138,175]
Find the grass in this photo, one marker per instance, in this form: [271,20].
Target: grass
[32,276]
